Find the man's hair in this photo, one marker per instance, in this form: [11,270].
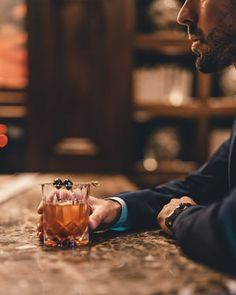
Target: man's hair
[233,2]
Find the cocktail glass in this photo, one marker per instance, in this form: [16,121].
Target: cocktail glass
[65,214]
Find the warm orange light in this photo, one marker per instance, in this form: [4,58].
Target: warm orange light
[3,140]
[3,129]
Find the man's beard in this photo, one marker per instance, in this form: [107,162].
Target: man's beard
[219,52]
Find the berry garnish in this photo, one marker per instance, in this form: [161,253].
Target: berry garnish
[68,184]
[57,183]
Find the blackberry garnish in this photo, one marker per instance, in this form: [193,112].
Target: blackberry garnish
[68,184]
[57,183]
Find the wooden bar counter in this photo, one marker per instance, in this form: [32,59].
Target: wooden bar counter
[128,263]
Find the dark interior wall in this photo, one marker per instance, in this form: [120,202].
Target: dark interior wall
[80,70]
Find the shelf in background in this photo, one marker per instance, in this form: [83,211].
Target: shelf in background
[214,107]
[221,107]
[145,112]
[168,42]
[12,112]
[76,146]
[12,97]
[172,166]
[166,171]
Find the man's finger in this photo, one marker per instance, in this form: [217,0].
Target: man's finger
[40,208]
[39,227]
[188,200]
[93,201]
[94,220]
[40,235]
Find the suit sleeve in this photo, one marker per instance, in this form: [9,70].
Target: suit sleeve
[205,186]
[208,233]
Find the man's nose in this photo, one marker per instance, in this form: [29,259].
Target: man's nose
[188,13]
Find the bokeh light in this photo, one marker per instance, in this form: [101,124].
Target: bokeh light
[3,129]
[3,140]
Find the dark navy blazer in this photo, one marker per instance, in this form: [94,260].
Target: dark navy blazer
[206,232]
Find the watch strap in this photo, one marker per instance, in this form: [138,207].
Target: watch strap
[174,214]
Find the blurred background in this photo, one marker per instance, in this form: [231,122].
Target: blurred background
[106,86]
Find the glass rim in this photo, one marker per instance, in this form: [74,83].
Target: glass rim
[76,183]
[92,183]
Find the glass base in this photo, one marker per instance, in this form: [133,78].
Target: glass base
[65,243]
[69,242]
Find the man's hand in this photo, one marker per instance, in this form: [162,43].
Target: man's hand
[103,214]
[168,209]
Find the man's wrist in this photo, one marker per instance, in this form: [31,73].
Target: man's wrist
[116,208]
[171,211]
[122,223]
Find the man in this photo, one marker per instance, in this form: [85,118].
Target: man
[198,211]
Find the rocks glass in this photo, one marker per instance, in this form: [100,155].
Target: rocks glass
[65,213]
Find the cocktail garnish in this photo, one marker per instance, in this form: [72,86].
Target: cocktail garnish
[95,183]
[57,183]
[68,184]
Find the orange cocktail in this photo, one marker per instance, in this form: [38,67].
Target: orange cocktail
[65,214]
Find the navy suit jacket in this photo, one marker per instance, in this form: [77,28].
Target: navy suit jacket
[205,232]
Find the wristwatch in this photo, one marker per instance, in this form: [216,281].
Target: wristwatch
[174,214]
